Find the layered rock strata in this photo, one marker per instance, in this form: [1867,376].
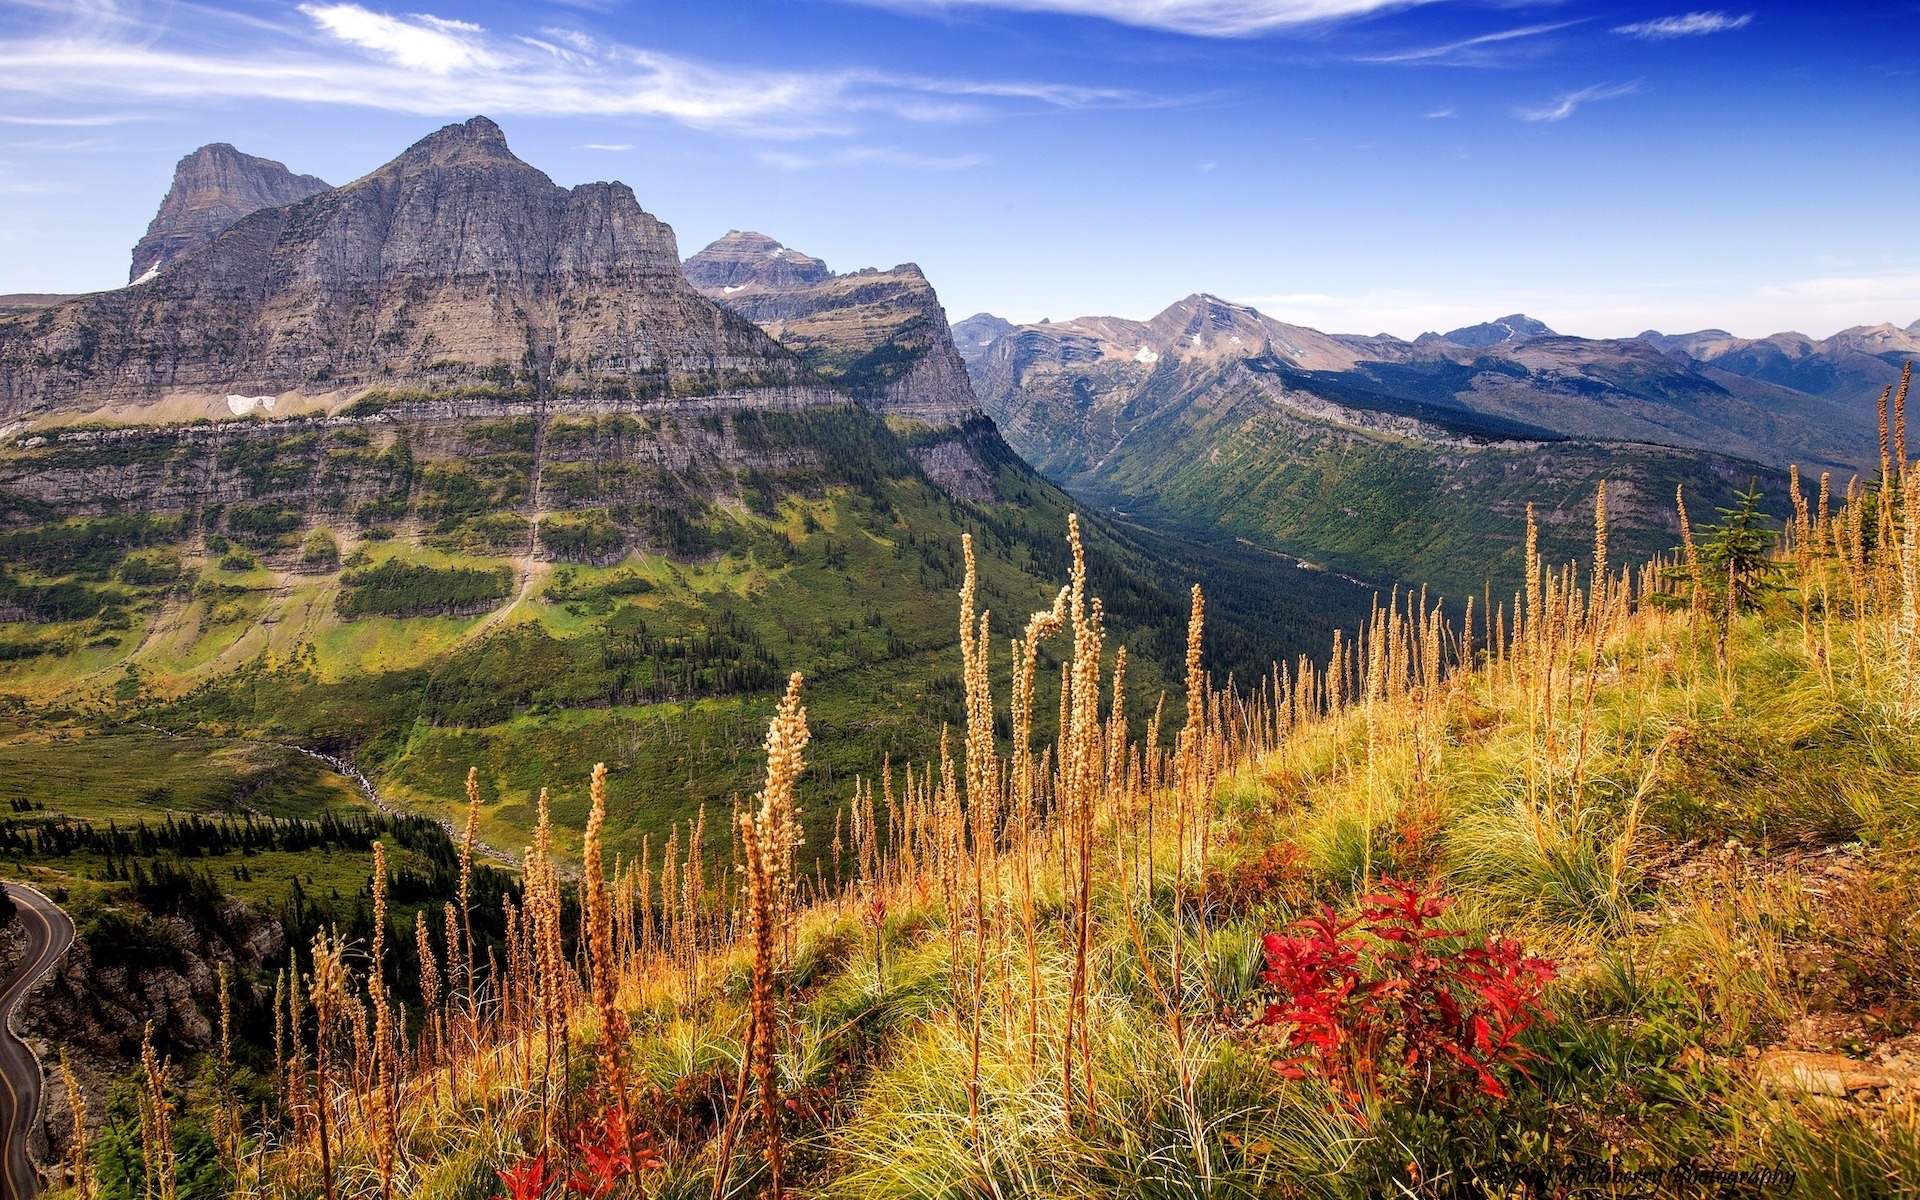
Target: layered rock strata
[456,268]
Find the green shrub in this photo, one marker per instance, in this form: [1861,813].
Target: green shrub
[91,548]
[587,537]
[398,589]
[263,526]
[321,552]
[155,570]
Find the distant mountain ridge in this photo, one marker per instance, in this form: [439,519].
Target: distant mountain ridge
[1786,398]
[740,261]
[1414,460]
[1516,327]
[973,335]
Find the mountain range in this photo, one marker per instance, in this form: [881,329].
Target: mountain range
[1416,459]
[1778,399]
[455,267]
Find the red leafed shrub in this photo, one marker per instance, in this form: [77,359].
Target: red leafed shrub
[528,1179]
[607,1161]
[1386,1003]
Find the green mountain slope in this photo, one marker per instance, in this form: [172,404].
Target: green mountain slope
[427,592]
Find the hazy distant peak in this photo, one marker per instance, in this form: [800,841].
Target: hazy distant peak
[1698,344]
[973,336]
[1884,338]
[745,258]
[1515,327]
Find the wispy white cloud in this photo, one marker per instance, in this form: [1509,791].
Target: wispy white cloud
[420,42]
[1685,25]
[1466,52]
[1200,18]
[1565,105]
[611,146]
[424,64]
[80,122]
[871,156]
[59,144]
[1440,114]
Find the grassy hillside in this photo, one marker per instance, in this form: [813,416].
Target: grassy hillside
[519,596]
[1615,892]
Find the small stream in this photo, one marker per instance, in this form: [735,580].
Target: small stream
[346,770]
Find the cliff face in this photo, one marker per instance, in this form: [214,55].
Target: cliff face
[454,268]
[212,188]
[881,335]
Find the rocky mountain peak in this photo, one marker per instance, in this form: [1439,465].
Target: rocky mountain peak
[214,187]
[1205,326]
[880,335]
[744,259]
[474,142]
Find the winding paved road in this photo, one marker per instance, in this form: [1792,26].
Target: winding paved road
[49,932]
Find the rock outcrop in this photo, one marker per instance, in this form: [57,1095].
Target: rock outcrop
[212,188]
[456,269]
[880,335]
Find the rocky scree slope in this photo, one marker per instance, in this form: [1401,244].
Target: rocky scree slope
[212,188]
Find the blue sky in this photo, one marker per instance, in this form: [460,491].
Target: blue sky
[1349,164]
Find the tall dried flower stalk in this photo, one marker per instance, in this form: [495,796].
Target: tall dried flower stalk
[386,1134]
[597,908]
[465,950]
[327,987]
[983,805]
[156,1123]
[79,1150]
[1698,598]
[769,837]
